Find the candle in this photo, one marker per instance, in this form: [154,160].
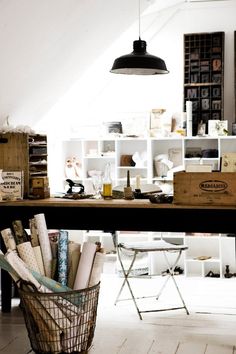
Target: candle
[128,179]
[189,107]
[137,182]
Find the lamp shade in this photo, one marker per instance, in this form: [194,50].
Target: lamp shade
[139,62]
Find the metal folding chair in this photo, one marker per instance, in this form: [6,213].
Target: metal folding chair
[153,246]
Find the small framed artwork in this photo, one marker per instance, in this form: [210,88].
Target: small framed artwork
[217,127]
[201,129]
[156,118]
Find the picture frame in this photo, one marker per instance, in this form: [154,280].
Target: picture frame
[217,127]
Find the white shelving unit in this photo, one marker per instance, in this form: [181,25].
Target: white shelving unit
[220,249]
[93,154]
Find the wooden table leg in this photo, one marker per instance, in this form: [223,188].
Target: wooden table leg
[6,291]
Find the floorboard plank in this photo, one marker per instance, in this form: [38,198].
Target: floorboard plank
[191,347]
[223,349]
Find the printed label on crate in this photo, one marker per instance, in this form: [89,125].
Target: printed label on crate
[13,185]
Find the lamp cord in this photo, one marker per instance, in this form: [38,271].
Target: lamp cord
[139,31]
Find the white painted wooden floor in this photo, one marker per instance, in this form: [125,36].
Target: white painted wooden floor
[209,329]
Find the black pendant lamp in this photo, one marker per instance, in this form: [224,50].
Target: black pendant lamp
[139,62]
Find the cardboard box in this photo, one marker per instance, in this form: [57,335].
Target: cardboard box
[203,188]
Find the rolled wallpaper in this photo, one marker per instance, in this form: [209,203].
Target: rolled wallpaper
[26,253]
[33,232]
[85,266]
[73,261]
[63,257]
[21,269]
[39,259]
[97,268]
[44,243]
[8,239]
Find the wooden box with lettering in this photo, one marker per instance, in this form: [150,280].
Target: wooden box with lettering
[13,186]
[205,188]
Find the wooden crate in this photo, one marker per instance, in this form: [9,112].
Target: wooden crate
[24,152]
[203,188]
[14,155]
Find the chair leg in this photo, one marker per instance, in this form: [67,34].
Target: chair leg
[171,275]
[126,281]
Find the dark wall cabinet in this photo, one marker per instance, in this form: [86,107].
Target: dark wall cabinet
[204,76]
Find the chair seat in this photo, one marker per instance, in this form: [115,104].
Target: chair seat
[152,246]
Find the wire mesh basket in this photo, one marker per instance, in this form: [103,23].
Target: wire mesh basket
[60,323]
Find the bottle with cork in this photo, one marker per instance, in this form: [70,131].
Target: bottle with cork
[128,193]
[107,183]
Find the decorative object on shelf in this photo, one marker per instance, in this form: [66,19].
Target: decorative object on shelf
[233,128]
[160,123]
[74,187]
[160,198]
[97,185]
[227,272]
[113,127]
[201,129]
[139,62]
[217,127]
[140,159]
[73,168]
[228,163]
[127,160]
[162,165]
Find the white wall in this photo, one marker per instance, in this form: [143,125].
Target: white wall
[46,45]
[100,95]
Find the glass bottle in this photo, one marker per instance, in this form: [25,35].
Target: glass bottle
[107,183]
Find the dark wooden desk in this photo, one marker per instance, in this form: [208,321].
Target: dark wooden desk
[117,214]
